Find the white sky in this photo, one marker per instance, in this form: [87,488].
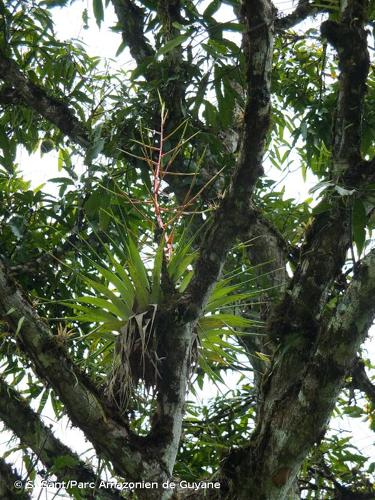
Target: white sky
[38,169]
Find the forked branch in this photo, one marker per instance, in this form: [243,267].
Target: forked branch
[25,93]
[27,425]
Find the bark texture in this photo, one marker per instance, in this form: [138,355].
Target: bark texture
[21,91]
[8,479]
[312,351]
[32,432]
[300,389]
[86,406]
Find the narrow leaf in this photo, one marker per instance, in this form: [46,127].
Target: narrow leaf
[98,11]
[172,44]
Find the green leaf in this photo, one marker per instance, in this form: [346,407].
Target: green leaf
[63,462]
[124,287]
[211,8]
[210,113]
[95,149]
[56,405]
[224,320]
[185,281]
[100,303]
[92,315]
[30,467]
[104,219]
[60,160]
[62,180]
[212,305]
[120,48]
[222,290]
[122,279]
[139,276]
[182,257]
[213,375]
[98,11]
[201,91]
[19,325]
[43,401]
[172,44]
[233,26]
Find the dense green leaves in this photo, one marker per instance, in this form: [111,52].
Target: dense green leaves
[87,247]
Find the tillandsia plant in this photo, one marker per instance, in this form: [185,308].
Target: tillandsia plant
[126,287]
[124,292]
[275,96]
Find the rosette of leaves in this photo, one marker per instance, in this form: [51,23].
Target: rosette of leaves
[122,302]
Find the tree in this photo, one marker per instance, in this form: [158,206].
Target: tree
[162,260]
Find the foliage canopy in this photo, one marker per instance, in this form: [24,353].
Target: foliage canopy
[165,260]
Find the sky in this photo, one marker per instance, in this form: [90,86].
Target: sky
[39,168]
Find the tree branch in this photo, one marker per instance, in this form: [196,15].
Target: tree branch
[342,492]
[348,328]
[131,21]
[8,479]
[24,92]
[234,216]
[360,175]
[349,38]
[27,425]
[362,382]
[300,394]
[8,95]
[303,10]
[300,390]
[268,248]
[269,253]
[230,220]
[328,238]
[85,405]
